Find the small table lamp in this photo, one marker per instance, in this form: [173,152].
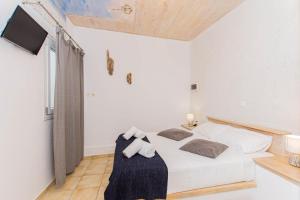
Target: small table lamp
[293,147]
[190,119]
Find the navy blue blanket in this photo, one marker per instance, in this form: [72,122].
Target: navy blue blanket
[137,177]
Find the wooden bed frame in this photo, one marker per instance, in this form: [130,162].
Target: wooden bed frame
[212,190]
[276,148]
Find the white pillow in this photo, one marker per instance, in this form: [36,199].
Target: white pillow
[249,141]
[209,129]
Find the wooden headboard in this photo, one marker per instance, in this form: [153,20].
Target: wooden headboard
[277,146]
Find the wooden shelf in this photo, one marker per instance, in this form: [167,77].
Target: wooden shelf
[280,166]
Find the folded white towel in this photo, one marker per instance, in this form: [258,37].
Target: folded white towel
[130,133]
[147,150]
[133,148]
[139,134]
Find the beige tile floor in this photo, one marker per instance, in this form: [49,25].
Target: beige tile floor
[87,182]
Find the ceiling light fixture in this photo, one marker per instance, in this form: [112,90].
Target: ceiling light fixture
[126,9]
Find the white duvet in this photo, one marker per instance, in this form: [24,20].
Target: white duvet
[189,171]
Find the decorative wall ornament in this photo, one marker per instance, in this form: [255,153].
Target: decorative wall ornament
[129,78]
[110,64]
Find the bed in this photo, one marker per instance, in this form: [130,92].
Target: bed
[189,171]
[192,175]
[242,189]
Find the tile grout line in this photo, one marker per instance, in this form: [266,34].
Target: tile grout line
[102,179]
[70,198]
[104,172]
[80,178]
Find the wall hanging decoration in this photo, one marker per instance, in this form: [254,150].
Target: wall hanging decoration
[110,63]
[129,78]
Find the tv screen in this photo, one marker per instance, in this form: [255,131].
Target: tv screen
[24,31]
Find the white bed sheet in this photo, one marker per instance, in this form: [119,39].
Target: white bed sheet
[189,171]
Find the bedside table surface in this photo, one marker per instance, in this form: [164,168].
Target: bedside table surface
[188,127]
[280,166]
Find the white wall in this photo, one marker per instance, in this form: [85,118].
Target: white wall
[158,98]
[248,65]
[25,138]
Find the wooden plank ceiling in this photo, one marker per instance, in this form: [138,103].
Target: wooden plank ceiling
[173,19]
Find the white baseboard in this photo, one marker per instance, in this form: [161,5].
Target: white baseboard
[39,196]
[97,150]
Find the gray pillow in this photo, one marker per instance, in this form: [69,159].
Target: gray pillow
[175,134]
[204,148]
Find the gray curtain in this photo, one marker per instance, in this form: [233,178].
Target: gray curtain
[68,121]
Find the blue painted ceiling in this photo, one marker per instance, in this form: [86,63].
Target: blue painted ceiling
[97,8]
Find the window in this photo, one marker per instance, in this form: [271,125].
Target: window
[50,78]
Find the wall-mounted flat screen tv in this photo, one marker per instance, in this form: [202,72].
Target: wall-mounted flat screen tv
[24,31]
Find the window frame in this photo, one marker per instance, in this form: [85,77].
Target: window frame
[51,46]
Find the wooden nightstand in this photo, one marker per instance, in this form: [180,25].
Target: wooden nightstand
[280,166]
[188,127]
[276,179]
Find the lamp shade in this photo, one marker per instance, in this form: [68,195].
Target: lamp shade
[293,144]
[190,118]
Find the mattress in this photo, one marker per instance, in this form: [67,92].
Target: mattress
[187,171]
